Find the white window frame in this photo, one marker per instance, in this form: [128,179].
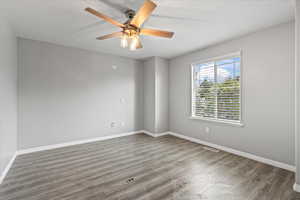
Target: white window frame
[222,121]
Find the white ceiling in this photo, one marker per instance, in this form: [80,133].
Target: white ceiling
[196,23]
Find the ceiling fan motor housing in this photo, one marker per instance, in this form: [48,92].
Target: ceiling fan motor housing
[130,14]
[131,30]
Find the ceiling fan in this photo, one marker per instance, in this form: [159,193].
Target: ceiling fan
[131,29]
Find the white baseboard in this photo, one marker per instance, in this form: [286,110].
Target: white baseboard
[8,166]
[296,187]
[155,134]
[240,153]
[55,146]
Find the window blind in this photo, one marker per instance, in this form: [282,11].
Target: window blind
[216,92]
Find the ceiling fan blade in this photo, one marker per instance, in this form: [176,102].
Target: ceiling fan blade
[143,13]
[159,33]
[117,34]
[106,18]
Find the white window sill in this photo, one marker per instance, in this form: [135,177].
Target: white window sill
[227,122]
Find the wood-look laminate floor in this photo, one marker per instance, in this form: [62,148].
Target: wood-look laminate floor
[140,167]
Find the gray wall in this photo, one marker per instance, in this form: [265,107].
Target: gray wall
[8,94]
[68,94]
[156,94]
[268,95]
[162,95]
[297,83]
[149,95]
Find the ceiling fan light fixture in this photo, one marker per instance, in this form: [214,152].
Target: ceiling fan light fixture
[124,40]
[134,42]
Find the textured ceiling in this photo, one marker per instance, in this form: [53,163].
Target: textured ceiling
[196,23]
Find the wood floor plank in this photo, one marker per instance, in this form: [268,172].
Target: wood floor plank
[140,167]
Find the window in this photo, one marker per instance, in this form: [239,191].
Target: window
[216,89]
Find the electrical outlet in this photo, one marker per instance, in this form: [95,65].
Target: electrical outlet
[113,125]
[122,124]
[207,129]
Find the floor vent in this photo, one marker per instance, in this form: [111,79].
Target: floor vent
[130,180]
[212,149]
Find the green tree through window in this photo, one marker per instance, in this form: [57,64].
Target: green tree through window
[216,90]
